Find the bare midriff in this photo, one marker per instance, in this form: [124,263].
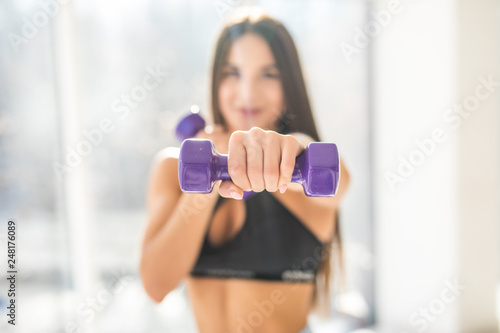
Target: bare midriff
[244,306]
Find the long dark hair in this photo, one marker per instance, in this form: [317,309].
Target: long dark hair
[298,116]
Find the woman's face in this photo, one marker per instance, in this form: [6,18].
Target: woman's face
[250,91]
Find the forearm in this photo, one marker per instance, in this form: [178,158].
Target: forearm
[172,253]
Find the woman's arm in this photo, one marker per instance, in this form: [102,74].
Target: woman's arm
[317,213]
[174,234]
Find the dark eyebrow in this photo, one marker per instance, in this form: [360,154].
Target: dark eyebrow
[271,66]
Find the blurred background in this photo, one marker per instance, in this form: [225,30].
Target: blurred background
[408,90]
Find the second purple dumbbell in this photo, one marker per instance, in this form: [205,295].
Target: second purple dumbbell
[190,125]
[316,168]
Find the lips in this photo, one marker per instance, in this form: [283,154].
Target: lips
[249,111]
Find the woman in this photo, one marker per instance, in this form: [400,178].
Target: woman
[250,265]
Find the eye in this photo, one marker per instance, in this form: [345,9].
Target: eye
[230,73]
[272,75]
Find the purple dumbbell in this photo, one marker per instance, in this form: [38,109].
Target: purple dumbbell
[192,124]
[316,168]
[189,126]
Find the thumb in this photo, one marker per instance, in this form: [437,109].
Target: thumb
[228,189]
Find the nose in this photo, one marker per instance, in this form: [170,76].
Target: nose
[248,90]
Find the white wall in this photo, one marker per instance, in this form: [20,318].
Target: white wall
[440,223]
[478,203]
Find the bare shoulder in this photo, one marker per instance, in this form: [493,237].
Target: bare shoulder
[164,180]
[163,190]
[168,153]
[166,162]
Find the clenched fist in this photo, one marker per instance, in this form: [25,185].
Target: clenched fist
[259,160]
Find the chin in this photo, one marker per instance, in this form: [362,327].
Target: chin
[245,125]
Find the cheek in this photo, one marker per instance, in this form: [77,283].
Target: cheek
[226,93]
[274,95]
[274,100]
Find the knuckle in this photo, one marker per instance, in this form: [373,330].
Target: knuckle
[271,137]
[235,168]
[257,133]
[254,170]
[236,136]
[271,173]
[287,171]
[288,139]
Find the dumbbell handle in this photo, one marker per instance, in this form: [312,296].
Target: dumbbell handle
[222,173]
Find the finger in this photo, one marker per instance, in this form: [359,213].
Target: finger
[287,164]
[272,157]
[228,189]
[216,186]
[237,163]
[255,165]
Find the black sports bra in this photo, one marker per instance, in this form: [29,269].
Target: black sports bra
[272,245]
